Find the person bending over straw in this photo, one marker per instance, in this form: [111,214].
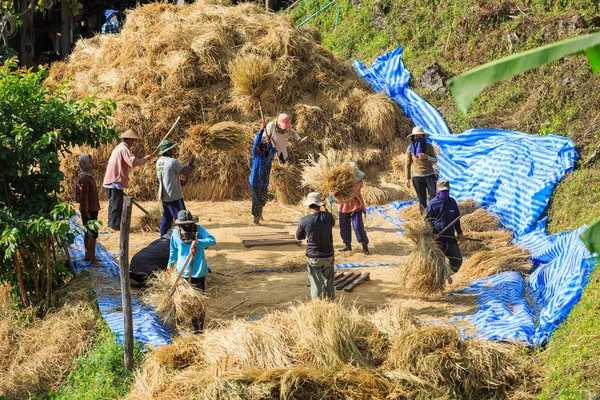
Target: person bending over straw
[277,132]
[420,159]
[117,176]
[86,195]
[442,212]
[182,240]
[262,159]
[317,229]
[351,215]
[168,171]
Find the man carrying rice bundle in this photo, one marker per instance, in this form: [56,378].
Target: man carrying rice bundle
[442,213]
[277,132]
[168,171]
[351,215]
[262,160]
[117,176]
[420,159]
[317,229]
[182,244]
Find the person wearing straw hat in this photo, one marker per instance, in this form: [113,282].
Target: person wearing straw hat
[420,158]
[168,172]
[182,244]
[442,213]
[117,175]
[86,195]
[112,24]
[277,132]
[351,215]
[317,229]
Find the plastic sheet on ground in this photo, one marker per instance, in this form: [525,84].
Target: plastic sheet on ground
[512,175]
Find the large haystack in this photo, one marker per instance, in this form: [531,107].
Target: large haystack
[212,63]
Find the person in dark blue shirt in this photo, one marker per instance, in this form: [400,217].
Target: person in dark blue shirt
[262,159]
[442,211]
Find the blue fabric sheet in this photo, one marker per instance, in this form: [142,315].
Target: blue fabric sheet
[511,174]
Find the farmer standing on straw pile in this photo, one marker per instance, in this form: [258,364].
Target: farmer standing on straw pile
[317,229]
[168,171]
[112,24]
[182,240]
[420,158]
[86,195]
[351,215]
[442,213]
[262,159]
[277,132]
[117,175]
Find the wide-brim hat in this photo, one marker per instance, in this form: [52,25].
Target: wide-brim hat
[165,146]
[185,217]
[443,185]
[417,130]
[130,134]
[313,198]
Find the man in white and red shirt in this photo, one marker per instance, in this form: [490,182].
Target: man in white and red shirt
[117,176]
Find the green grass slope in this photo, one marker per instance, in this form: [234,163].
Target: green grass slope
[562,98]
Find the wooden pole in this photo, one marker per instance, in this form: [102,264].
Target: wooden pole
[125,289]
[65,28]
[27,34]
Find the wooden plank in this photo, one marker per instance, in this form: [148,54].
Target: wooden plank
[335,278]
[364,277]
[340,278]
[125,289]
[253,243]
[350,277]
[277,237]
[263,233]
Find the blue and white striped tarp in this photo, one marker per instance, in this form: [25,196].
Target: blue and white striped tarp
[512,174]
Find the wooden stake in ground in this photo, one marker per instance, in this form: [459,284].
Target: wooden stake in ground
[125,289]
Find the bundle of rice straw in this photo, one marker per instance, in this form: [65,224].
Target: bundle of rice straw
[424,270]
[251,81]
[490,240]
[186,303]
[378,116]
[381,194]
[466,207]
[149,222]
[223,136]
[330,175]
[480,220]
[286,183]
[487,263]
[411,212]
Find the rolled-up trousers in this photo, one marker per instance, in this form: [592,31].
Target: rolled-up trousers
[349,220]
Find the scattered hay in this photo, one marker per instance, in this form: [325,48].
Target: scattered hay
[490,240]
[424,270]
[480,220]
[292,261]
[149,222]
[392,320]
[330,175]
[285,181]
[378,116]
[186,303]
[487,263]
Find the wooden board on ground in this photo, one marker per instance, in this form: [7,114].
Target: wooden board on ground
[343,276]
[273,238]
[363,277]
[269,242]
[345,282]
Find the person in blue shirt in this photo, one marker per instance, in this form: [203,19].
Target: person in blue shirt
[442,211]
[112,24]
[182,244]
[262,160]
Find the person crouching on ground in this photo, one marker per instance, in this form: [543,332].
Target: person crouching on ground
[351,215]
[262,160]
[317,229]
[168,171]
[117,176]
[420,158]
[277,132]
[441,212]
[182,244]
[86,195]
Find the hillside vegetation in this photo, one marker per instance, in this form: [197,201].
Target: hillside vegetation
[560,98]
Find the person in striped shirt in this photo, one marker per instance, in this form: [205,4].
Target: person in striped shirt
[420,159]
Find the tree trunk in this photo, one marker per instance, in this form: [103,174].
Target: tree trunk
[22,289]
[48,274]
[26,55]
[65,31]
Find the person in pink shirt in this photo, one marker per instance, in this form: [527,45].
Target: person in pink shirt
[351,215]
[117,176]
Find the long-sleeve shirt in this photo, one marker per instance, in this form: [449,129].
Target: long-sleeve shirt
[168,170]
[416,167]
[109,28]
[440,213]
[88,197]
[121,159]
[261,162]
[356,203]
[280,138]
[317,229]
[179,251]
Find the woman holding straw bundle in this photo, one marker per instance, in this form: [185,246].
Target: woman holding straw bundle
[277,132]
[351,215]
[262,160]
[86,195]
[182,244]
[420,159]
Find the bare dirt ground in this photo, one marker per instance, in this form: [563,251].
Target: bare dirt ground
[242,294]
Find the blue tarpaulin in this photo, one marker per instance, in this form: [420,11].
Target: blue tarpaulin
[511,174]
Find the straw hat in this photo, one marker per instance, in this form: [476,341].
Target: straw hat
[165,146]
[313,198]
[130,134]
[443,185]
[185,217]
[418,130]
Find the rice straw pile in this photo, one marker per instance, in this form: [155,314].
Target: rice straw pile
[480,220]
[206,62]
[323,350]
[285,181]
[383,193]
[148,222]
[424,270]
[490,240]
[330,175]
[186,303]
[487,263]
[411,212]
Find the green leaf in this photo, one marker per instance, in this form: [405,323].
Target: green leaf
[591,237]
[466,87]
